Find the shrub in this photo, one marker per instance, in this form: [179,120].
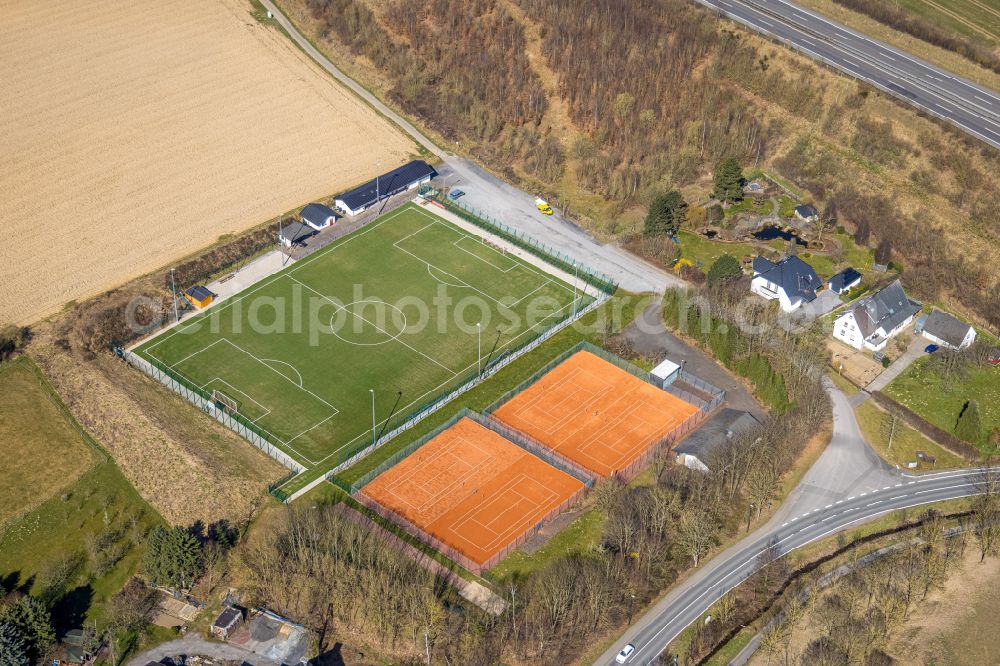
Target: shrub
[725,268]
[969,425]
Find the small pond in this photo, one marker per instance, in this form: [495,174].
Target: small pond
[710,233]
[770,233]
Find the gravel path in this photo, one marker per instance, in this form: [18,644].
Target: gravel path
[196,645]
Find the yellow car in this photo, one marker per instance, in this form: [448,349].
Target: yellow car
[543,205]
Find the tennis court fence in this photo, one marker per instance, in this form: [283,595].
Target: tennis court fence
[489,370]
[453,554]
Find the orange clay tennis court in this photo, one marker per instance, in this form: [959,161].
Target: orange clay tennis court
[595,413]
[473,490]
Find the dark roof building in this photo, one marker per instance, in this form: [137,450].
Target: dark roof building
[806,212]
[948,331]
[318,216]
[228,619]
[296,232]
[844,280]
[791,277]
[697,449]
[398,180]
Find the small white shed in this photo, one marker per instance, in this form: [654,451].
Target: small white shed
[666,372]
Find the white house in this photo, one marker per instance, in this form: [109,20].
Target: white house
[806,213]
[791,282]
[844,281]
[407,177]
[874,320]
[318,216]
[947,331]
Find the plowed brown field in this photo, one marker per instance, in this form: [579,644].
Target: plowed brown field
[135,133]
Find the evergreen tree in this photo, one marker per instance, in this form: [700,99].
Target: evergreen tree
[31,621]
[173,557]
[12,649]
[667,213]
[728,181]
[970,425]
[725,268]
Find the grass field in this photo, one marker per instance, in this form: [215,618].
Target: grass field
[177,123]
[905,440]
[925,393]
[391,308]
[70,522]
[42,449]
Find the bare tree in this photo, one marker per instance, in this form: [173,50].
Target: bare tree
[695,533]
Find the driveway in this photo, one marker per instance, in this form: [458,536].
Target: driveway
[196,645]
[500,200]
[899,366]
[649,337]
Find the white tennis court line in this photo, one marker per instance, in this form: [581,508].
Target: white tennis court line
[486,460]
[377,327]
[605,437]
[539,509]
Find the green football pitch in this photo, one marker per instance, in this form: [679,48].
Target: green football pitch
[391,309]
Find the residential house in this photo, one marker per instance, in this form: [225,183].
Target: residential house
[875,319]
[791,282]
[806,213]
[947,331]
[844,281]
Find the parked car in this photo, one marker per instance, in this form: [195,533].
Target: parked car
[930,349]
[455,195]
[625,653]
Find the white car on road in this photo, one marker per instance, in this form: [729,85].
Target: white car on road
[625,653]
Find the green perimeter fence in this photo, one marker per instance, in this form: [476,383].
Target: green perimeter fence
[713,398]
[428,539]
[550,255]
[203,400]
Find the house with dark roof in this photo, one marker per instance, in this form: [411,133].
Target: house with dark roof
[697,450]
[806,213]
[875,319]
[790,281]
[294,233]
[406,177]
[318,216]
[229,619]
[947,331]
[844,281]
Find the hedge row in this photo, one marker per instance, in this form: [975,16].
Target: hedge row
[929,430]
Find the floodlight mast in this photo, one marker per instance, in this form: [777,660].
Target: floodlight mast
[372,391]
[173,288]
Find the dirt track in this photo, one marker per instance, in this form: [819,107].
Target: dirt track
[136,133]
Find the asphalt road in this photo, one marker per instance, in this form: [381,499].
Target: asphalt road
[968,106]
[501,201]
[653,632]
